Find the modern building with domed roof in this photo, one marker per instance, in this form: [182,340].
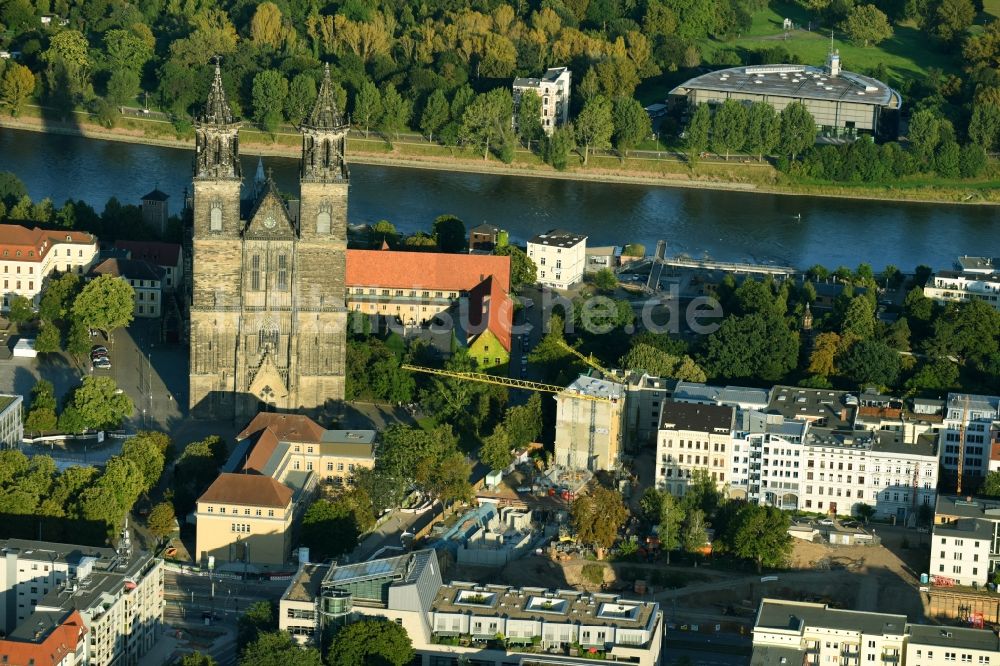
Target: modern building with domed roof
[844,104]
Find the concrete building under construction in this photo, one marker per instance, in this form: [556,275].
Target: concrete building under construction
[590,420]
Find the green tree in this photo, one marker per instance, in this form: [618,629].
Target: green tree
[78,341]
[48,340]
[605,280]
[99,404]
[21,310]
[396,112]
[696,139]
[330,529]
[598,515]
[953,18]
[763,129]
[822,359]
[126,51]
[276,648]
[644,357]
[729,127]
[447,479]
[522,269]
[449,232]
[367,105]
[594,125]
[486,120]
[197,659]
[984,126]
[924,133]
[259,618]
[148,456]
[865,512]
[558,147]
[798,129]
[105,304]
[947,159]
[671,520]
[301,97]
[16,86]
[871,362]
[270,89]
[631,123]
[867,24]
[991,485]
[161,519]
[971,161]
[57,298]
[68,66]
[859,319]
[934,376]
[435,114]
[758,346]
[123,86]
[758,534]
[71,421]
[495,450]
[265,26]
[529,117]
[694,532]
[371,641]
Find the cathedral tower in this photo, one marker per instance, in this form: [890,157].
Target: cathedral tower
[268,316]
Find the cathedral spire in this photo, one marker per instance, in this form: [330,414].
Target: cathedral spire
[217,110]
[325,114]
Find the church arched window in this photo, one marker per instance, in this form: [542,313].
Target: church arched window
[326,153]
[323,222]
[267,336]
[255,272]
[215,222]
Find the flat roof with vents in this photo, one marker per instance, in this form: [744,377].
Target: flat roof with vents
[558,238]
[798,82]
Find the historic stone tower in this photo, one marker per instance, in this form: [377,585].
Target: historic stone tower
[268,319]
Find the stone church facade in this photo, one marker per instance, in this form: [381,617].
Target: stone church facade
[267,312]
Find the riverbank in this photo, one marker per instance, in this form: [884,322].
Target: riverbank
[657,169]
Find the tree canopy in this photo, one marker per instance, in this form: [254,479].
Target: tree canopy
[597,516]
[371,641]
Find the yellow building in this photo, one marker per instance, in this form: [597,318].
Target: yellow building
[248,513]
[245,518]
[692,437]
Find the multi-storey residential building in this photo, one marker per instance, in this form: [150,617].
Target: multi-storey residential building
[740,397]
[767,461]
[60,643]
[645,397]
[693,437]
[168,256]
[798,632]
[489,625]
[560,257]
[909,417]
[590,424]
[117,594]
[554,90]
[968,423]
[11,423]
[821,407]
[956,287]
[146,280]
[29,256]
[965,544]
[247,514]
[465,296]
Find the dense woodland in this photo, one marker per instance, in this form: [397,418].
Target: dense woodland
[444,68]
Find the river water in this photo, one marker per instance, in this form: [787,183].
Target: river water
[732,226]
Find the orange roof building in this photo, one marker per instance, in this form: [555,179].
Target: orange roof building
[55,647]
[29,256]
[462,297]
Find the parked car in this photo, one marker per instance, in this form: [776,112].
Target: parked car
[103,363]
[94,355]
[99,348]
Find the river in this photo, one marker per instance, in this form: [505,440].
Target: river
[726,225]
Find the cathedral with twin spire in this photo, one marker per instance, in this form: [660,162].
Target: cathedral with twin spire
[267,302]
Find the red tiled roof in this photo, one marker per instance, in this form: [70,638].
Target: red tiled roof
[424,270]
[248,490]
[19,243]
[286,427]
[489,300]
[50,650]
[161,254]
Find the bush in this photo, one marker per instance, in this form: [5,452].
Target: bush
[593,573]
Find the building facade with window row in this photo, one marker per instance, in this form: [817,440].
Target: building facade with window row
[965,542]
[29,256]
[553,90]
[560,257]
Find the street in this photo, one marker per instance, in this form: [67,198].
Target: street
[705,648]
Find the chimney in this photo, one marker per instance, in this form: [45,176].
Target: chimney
[843,413]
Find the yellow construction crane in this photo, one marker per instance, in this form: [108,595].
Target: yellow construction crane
[498,380]
[961,444]
[589,360]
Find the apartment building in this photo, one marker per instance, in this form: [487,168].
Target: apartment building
[965,543]
[560,257]
[798,632]
[590,424]
[820,407]
[767,461]
[955,287]
[11,421]
[693,437]
[61,643]
[465,298]
[645,395]
[112,596]
[29,256]
[911,417]
[969,421]
[248,513]
[553,88]
[146,280]
[489,625]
